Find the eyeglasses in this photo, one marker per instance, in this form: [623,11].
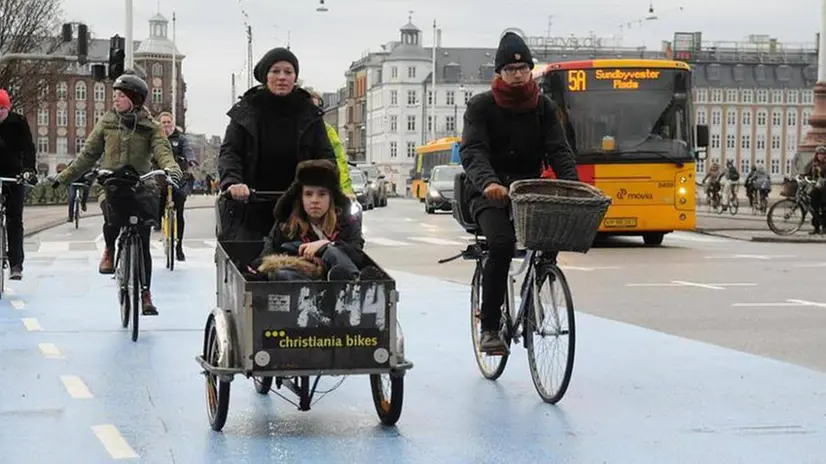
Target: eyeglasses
[513,70]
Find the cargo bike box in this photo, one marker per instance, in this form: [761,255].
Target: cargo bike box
[286,332]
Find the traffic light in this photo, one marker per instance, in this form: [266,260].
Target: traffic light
[117,55]
[98,72]
[82,43]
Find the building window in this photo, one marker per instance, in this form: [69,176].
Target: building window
[411,97]
[44,88]
[761,142]
[762,96]
[43,117]
[788,167]
[745,117]
[702,95]
[62,117]
[451,97]
[791,118]
[450,124]
[731,141]
[716,117]
[394,149]
[791,143]
[700,166]
[100,92]
[411,123]
[715,140]
[157,70]
[394,72]
[42,144]
[731,96]
[411,72]
[745,142]
[775,167]
[804,118]
[745,164]
[62,90]
[80,91]
[79,141]
[775,142]
[62,146]
[429,124]
[791,98]
[748,96]
[429,97]
[777,118]
[761,118]
[411,149]
[717,96]
[80,118]
[777,97]
[157,95]
[731,117]
[468,96]
[394,123]
[394,98]
[701,117]
[99,114]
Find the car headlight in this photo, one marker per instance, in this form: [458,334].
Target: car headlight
[434,193]
[355,208]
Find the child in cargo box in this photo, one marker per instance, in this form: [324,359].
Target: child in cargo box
[314,235]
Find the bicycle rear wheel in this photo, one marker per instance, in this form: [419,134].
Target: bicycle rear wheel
[135,272]
[548,321]
[77,210]
[123,285]
[491,366]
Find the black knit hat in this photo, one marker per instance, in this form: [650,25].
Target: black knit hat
[271,57]
[512,49]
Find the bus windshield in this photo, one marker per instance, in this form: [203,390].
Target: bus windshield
[642,109]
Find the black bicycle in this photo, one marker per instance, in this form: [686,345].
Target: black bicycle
[545,314]
[4,255]
[79,193]
[124,209]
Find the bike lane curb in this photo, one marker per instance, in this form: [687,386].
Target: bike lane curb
[29,231]
[759,239]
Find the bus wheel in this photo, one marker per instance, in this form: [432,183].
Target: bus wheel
[653,238]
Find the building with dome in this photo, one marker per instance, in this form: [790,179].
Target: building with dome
[61,124]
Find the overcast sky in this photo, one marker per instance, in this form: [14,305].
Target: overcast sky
[212,35]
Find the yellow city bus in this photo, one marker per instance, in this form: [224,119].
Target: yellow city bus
[631,125]
[433,153]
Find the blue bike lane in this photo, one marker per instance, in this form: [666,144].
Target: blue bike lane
[77,389]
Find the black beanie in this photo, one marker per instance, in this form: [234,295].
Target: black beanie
[262,68]
[512,49]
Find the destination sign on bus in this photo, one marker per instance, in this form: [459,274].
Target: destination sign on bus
[581,80]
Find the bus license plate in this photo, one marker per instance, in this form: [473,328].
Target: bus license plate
[620,222]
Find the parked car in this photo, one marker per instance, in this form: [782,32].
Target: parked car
[361,188]
[440,188]
[376,182]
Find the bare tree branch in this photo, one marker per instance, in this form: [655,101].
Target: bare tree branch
[30,26]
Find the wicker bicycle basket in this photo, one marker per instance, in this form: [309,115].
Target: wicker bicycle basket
[557,215]
[789,188]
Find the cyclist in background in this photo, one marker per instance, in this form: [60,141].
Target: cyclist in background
[341,157]
[730,181]
[509,132]
[816,171]
[185,157]
[126,135]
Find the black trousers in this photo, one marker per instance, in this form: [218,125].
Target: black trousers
[110,235]
[819,206]
[179,199]
[15,197]
[501,238]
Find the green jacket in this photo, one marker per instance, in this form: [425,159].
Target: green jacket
[118,146]
[341,159]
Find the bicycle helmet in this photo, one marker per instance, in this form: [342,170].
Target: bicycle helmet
[133,86]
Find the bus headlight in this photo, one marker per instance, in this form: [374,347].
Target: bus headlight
[681,190]
[683,180]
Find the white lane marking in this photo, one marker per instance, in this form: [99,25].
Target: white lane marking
[31,324]
[386,242]
[53,247]
[684,283]
[50,350]
[589,269]
[10,291]
[18,304]
[808,303]
[436,241]
[113,441]
[99,238]
[694,284]
[811,265]
[748,256]
[788,303]
[75,387]
[212,243]
[691,237]
[429,226]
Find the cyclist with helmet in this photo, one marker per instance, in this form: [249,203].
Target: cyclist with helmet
[730,181]
[126,135]
[816,171]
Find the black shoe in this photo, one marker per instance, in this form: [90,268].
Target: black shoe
[339,273]
[83,206]
[491,343]
[16,273]
[179,253]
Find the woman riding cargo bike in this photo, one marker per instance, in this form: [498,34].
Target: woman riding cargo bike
[127,137]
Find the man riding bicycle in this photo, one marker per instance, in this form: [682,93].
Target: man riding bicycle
[509,132]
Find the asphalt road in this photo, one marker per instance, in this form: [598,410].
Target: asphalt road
[655,380]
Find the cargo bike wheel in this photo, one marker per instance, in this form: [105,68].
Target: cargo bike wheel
[388,395]
[217,389]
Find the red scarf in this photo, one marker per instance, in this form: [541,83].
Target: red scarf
[520,99]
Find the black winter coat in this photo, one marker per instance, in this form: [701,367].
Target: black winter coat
[502,146]
[17,152]
[239,151]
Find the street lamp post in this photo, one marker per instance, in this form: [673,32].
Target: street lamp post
[817,121]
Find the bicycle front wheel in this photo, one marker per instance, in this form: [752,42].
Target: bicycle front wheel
[550,334]
[4,257]
[169,238]
[491,366]
[135,272]
[790,217]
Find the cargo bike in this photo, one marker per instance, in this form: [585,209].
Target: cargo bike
[288,334]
